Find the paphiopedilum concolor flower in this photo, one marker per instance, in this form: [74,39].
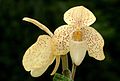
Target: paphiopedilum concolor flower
[41,54]
[76,37]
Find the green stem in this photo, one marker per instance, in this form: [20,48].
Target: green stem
[73,70]
[66,72]
[64,62]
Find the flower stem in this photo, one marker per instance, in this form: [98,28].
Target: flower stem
[66,72]
[73,70]
[64,62]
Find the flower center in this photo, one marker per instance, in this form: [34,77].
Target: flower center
[77,36]
[78,47]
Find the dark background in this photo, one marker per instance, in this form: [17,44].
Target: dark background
[16,36]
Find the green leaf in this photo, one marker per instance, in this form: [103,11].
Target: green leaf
[59,77]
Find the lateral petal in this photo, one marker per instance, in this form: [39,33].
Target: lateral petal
[41,26]
[61,39]
[56,65]
[95,42]
[38,71]
[79,16]
[40,54]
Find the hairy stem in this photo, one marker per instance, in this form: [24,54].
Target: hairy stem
[73,70]
[64,62]
[66,72]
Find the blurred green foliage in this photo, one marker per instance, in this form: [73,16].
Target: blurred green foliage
[60,77]
[16,36]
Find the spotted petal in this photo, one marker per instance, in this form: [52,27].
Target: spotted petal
[79,16]
[39,55]
[95,42]
[61,39]
[38,71]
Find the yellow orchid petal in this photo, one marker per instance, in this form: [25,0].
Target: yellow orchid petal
[40,54]
[61,39]
[41,26]
[79,16]
[38,71]
[95,42]
[57,65]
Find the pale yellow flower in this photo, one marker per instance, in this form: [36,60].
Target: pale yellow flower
[79,19]
[41,54]
[75,37]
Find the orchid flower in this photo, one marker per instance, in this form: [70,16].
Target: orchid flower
[41,54]
[76,36]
